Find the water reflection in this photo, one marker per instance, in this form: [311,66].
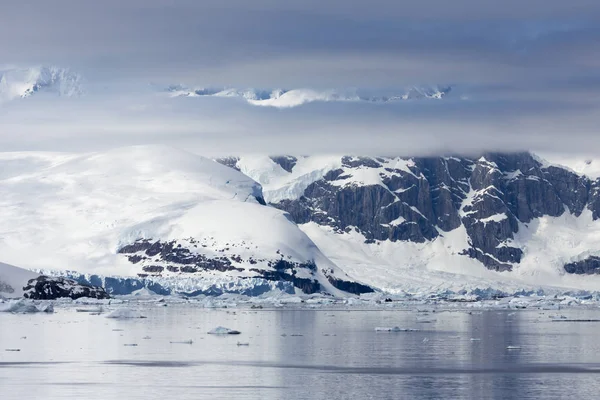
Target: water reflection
[298,354]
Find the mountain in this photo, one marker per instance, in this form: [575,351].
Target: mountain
[396,223]
[283,98]
[21,83]
[155,215]
[152,211]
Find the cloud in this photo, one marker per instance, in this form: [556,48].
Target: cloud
[529,71]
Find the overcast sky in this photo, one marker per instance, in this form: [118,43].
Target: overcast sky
[528,74]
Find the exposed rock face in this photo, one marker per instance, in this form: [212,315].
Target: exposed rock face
[50,288]
[588,266]
[174,253]
[229,161]
[183,257]
[285,162]
[350,287]
[419,199]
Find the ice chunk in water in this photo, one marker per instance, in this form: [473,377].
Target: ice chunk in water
[394,329]
[220,330]
[125,313]
[26,307]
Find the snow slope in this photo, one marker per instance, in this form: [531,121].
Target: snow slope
[76,211]
[588,166]
[279,184]
[13,279]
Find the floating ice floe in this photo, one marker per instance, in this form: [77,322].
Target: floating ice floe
[513,347]
[125,313]
[394,329]
[26,307]
[220,330]
[96,310]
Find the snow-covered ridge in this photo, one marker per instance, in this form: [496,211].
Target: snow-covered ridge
[13,279]
[24,82]
[150,211]
[286,98]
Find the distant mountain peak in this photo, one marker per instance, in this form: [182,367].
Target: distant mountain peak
[18,83]
[287,98]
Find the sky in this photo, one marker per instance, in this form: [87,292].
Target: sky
[524,74]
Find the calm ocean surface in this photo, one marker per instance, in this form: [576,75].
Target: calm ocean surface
[300,354]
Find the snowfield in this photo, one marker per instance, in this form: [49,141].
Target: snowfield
[75,211]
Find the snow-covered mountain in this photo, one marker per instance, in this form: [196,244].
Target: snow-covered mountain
[283,98]
[151,211]
[20,83]
[331,223]
[17,83]
[398,224]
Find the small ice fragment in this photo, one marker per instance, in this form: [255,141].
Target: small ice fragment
[425,340]
[475,339]
[220,330]
[513,347]
[182,342]
[125,313]
[90,310]
[394,329]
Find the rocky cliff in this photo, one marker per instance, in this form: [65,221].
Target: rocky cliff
[492,196]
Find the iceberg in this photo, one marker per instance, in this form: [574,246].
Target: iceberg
[220,330]
[394,329]
[26,307]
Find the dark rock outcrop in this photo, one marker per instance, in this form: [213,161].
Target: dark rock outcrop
[350,287]
[179,258]
[285,162]
[174,253]
[420,198]
[589,266]
[51,288]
